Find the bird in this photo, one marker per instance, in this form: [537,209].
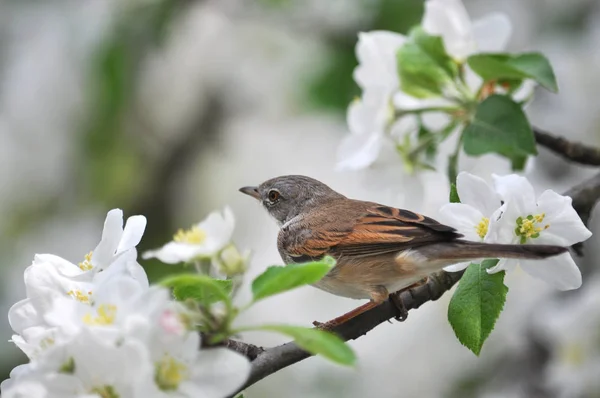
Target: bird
[378,249]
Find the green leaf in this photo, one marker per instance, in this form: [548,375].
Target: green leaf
[477,304]
[317,342]
[278,279]
[424,66]
[201,288]
[515,67]
[499,126]
[454,198]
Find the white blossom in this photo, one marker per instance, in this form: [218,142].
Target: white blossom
[549,219]
[479,203]
[203,240]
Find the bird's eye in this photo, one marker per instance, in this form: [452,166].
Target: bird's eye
[273,196]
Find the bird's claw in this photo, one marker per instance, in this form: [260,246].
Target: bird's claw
[402,312]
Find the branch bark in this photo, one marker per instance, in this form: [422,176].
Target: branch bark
[573,151]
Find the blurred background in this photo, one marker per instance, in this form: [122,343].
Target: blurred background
[166,107]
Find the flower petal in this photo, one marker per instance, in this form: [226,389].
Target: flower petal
[504,264]
[457,267]
[132,234]
[173,253]
[376,53]
[565,225]
[463,217]
[518,190]
[357,152]
[492,32]
[111,236]
[558,271]
[476,192]
[449,19]
[220,372]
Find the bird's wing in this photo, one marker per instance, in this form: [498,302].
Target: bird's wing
[379,230]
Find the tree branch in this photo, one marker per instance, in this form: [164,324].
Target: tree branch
[268,361]
[573,151]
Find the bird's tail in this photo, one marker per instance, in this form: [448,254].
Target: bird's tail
[461,250]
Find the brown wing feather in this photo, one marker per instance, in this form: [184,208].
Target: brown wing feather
[376,230]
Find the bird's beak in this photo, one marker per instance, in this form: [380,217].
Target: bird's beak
[252,191]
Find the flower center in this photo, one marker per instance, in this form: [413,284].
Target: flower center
[193,235]
[68,366]
[106,315]
[105,391]
[170,373]
[529,228]
[482,227]
[86,264]
[80,296]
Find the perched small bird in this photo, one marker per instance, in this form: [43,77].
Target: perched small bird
[378,249]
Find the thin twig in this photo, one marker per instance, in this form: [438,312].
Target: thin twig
[573,151]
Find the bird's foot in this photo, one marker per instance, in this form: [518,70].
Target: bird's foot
[398,303]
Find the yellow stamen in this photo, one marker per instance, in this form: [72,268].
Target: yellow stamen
[193,235]
[106,315]
[527,228]
[86,264]
[170,373]
[482,227]
[80,296]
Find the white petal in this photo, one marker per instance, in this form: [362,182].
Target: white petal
[457,267]
[376,53]
[492,32]
[358,151]
[173,253]
[463,217]
[63,266]
[518,190]
[565,225]
[476,192]
[405,125]
[132,234]
[449,19]
[111,236]
[23,314]
[220,372]
[525,92]
[504,264]
[558,271]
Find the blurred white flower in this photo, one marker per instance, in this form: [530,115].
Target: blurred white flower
[376,54]
[377,75]
[202,240]
[450,20]
[367,119]
[550,219]
[479,203]
[88,366]
[231,262]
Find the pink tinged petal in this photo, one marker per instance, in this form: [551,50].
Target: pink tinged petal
[219,372]
[476,192]
[518,190]
[560,271]
[449,19]
[111,236]
[376,53]
[504,264]
[358,152]
[132,234]
[492,32]
[565,225]
[457,267]
[463,217]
